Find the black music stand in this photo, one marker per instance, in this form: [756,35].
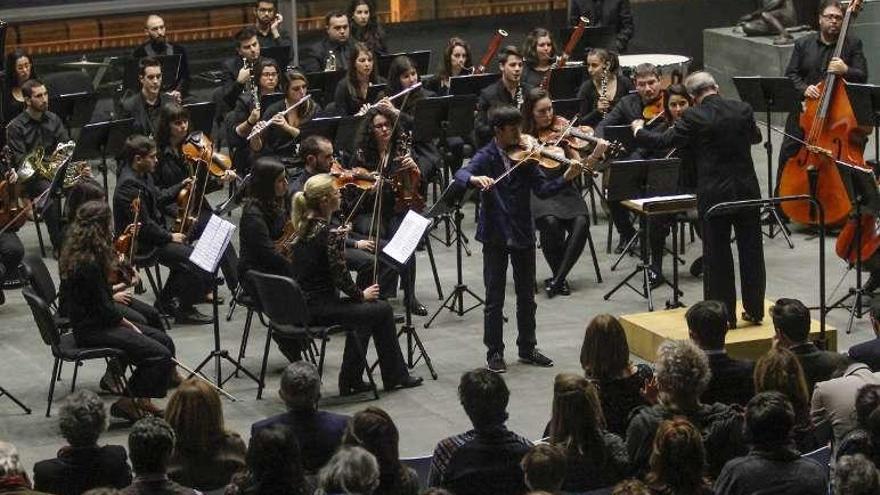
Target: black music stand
[74,109]
[201,116]
[321,126]
[346,135]
[450,202]
[865,101]
[472,84]
[99,140]
[326,81]
[565,82]
[567,107]
[421,59]
[593,37]
[633,179]
[768,95]
[4,392]
[374,90]
[170,66]
[280,54]
[861,187]
[269,99]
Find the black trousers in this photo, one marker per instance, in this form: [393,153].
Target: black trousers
[387,228]
[52,215]
[370,319]
[562,242]
[186,282]
[622,220]
[150,352]
[495,258]
[11,254]
[361,262]
[141,313]
[718,275]
[658,231]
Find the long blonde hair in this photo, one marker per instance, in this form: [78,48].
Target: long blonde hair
[306,207]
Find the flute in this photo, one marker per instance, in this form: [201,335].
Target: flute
[366,108]
[263,124]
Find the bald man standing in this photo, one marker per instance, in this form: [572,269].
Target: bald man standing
[157,44]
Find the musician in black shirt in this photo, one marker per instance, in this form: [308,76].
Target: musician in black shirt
[237,72]
[157,44]
[614,13]
[268,24]
[280,137]
[19,68]
[37,128]
[364,21]
[144,106]
[539,53]
[247,112]
[353,91]
[456,61]
[509,90]
[598,98]
[335,46]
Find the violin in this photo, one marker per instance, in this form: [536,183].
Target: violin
[407,182]
[358,177]
[199,148]
[125,245]
[12,204]
[530,150]
[198,151]
[654,109]
[579,138]
[288,234]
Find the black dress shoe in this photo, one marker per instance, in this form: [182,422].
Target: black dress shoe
[347,388]
[696,268]
[752,320]
[417,308]
[192,316]
[655,279]
[564,289]
[408,382]
[547,283]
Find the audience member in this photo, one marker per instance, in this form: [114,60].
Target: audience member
[595,458]
[835,400]
[630,487]
[678,460]
[206,455]
[791,319]
[605,360]
[374,430]
[779,370]
[772,465]
[157,44]
[13,476]
[869,352]
[351,470]
[865,438]
[855,475]
[731,381]
[334,46]
[682,374]
[485,459]
[274,465]
[319,433]
[82,464]
[150,445]
[544,468]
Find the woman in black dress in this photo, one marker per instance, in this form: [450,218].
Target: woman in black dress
[603,88]
[318,256]
[20,68]
[539,53]
[353,91]
[86,261]
[561,218]
[281,137]
[365,25]
[456,62]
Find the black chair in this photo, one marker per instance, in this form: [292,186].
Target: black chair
[287,310]
[35,274]
[244,295]
[64,347]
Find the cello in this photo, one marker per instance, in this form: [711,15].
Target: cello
[831,133]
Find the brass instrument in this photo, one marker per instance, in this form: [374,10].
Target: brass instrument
[330,64]
[37,163]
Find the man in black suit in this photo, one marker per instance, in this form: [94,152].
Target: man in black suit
[614,13]
[238,70]
[338,41]
[157,44]
[509,90]
[869,352]
[268,24]
[791,319]
[731,381]
[720,132]
[319,432]
[145,105]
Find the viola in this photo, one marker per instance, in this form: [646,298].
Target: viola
[407,182]
[358,177]
[125,245]
[282,244]
[199,148]
[529,150]
[654,109]
[831,133]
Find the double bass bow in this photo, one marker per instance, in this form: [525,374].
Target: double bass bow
[831,133]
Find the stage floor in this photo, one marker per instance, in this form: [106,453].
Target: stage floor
[431,412]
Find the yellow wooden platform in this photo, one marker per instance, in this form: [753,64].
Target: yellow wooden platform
[646,331]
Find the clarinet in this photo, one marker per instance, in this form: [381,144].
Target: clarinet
[518,97]
[603,88]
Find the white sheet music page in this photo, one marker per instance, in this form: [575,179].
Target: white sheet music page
[404,242]
[211,245]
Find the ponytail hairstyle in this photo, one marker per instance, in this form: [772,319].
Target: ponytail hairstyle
[306,207]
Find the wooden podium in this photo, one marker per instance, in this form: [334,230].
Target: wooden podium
[646,331]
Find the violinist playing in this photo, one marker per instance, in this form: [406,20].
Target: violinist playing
[12,201]
[506,229]
[247,112]
[562,217]
[280,138]
[646,103]
[604,87]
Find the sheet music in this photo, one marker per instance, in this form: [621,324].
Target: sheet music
[212,244]
[408,235]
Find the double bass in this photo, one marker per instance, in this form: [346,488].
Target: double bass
[831,133]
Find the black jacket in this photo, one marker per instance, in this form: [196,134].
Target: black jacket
[88,299]
[731,381]
[152,232]
[588,94]
[258,232]
[77,470]
[313,58]
[614,13]
[721,132]
[772,471]
[818,365]
[810,58]
[146,118]
[491,96]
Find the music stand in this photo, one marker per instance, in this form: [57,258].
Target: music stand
[74,109]
[565,82]
[280,54]
[321,126]
[865,101]
[201,116]
[346,135]
[863,195]
[374,90]
[633,179]
[593,37]
[99,140]
[472,84]
[170,66]
[269,99]
[326,81]
[768,95]
[421,59]
[567,107]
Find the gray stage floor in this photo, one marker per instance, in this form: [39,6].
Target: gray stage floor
[431,412]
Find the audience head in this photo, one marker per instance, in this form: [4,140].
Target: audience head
[769,420]
[544,468]
[150,444]
[36,97]
[682,372]
[577,421]
[274,460]
[484,395]
[247,44]
[779,370]
[154,28]
[456,57]
[604,352]
[631,487]
[855,475]
[707,324]
[435,490]
[868,409]
[82,418]
[12,472]
[791,319]
[102,491]
[20,65]
[374,430]
[196,415]
[337,26]
[300,386]
[678,458]
[350,470]
[700,84]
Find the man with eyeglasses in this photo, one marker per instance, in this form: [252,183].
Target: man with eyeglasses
[811,61]
[157,44]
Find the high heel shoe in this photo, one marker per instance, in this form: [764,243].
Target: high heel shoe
[353,388]
[408,382]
